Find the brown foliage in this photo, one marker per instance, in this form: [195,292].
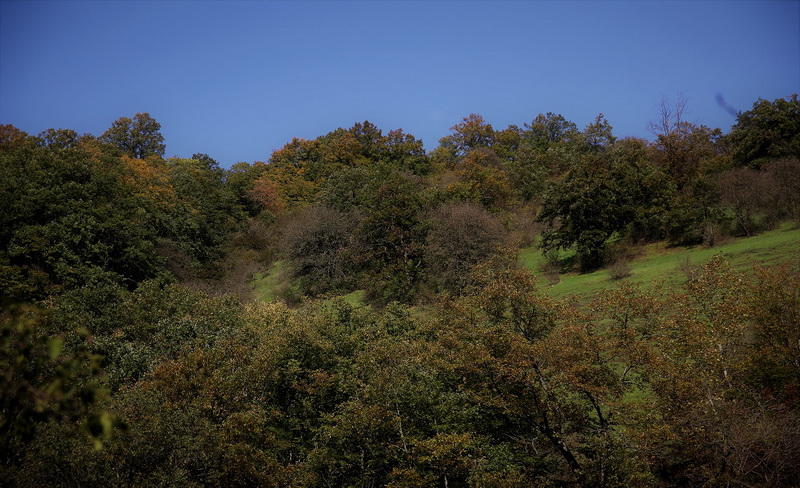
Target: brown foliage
[266,193]
[320,244]
[760,198]
[620,269]
[461,236]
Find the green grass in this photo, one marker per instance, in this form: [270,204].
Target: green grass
[661,266]
[657,266]
[355,298]
[268,285]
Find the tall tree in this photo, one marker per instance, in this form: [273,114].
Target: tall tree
[769,130]
[138,137]
[471,133]
[606,192]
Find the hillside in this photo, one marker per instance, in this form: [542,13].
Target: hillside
[655,266]
[357,311]
[658,265]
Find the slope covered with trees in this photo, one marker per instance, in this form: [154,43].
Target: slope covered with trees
[133,354]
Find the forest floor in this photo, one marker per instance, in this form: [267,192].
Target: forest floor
[656,265]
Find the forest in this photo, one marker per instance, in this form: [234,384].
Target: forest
[403,342]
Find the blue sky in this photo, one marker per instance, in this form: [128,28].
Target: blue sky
[237,80]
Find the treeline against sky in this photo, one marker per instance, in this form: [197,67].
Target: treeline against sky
[132,355]
[357,208]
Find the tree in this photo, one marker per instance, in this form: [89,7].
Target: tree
[785,175]
[547,147]
[768,131]
[265,193]
[67,217]
[481,180]
[207,210]
[549,128]
[606,192]
[240,178]
[11,137]
[319,244]
[471,133]
[139,137]
[59,138]
[688,151]
[41,381]
[392,235]
[461,236]
[598,135]
[683,149]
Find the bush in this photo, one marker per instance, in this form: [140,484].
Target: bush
[785,175]
[758,199]
[620,269]
[747,193]
[319,245]
[686,267]
[694,215]
[461,236]
[524,226]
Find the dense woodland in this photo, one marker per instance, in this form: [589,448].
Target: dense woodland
[133,352]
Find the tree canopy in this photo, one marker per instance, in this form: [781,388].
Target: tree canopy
[398,339]
[139,137]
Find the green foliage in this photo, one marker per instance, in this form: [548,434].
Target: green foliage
[469,134]
[135,331]
[320,247]
[240,179]
[695,215]
[768,131]
[687,151]
[606,192]
[41,381]
[59,138]
[120,376]
[138,137]
[504,387]
[362,145]
[75,211]
[481,181]
[545,147]
[207,211]
[392,237]
[67,215]
[598,135]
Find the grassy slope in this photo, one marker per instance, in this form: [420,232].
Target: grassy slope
[267,285]
[660,265]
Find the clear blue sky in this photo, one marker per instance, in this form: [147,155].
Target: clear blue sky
[239,79]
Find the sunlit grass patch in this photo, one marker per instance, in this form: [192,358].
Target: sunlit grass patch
[663,266]
[269,284]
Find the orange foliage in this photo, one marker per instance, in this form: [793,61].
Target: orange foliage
[267,194]
[149,180]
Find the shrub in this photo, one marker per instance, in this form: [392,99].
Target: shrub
[785,177]
[746,192]
[758,199]
[620,269]
[319,245]
[461,235]
[524,226]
